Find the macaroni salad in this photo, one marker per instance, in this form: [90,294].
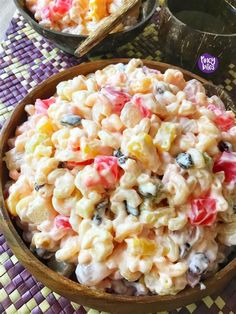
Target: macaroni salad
[127,176]
[79,17]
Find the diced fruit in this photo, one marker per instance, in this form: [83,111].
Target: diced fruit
[42,105]
[117,97]
[223,120]
[98,9]
[72,164]
[141,86]
[62,222]
[145,112]
[203,212]
[62,6]
[165,136]
[107,168]
[141,246]
[184,160]
[46,13]
[45,126]
[92,181]
[227,163]
[141,146]
[92,148]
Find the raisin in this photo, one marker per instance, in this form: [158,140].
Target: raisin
[184,160]
[160,90]
[71,120]
[100,211]
[118,153]
[122,160]
[225,146]
[37,187]
[121,157]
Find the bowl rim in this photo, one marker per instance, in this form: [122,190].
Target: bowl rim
[20,249]
[166,6]
[26,15]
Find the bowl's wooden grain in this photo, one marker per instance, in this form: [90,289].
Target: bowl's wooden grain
[69,42]
[70,289]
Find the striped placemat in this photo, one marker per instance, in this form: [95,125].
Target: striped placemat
[26,60]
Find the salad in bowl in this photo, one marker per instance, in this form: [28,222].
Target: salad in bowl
[125,179]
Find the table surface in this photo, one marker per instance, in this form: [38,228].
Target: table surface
[26,60]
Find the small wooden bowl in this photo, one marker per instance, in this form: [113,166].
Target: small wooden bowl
[66,287]
[184,38]
[69,42]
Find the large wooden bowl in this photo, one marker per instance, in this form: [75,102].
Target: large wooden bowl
[66,287]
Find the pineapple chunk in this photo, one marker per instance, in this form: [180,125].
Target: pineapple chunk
[141,246]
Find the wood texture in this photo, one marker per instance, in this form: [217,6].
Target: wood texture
[109,24]
[65,287]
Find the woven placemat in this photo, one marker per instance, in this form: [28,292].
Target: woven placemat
[26,60]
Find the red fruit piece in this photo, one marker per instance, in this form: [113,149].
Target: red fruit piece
[107,168]
[42,105]
[223,120]
[227,163]
[72,164]
[145,112]
[46,13]
[117,97]
[62,222]
[62,6]
[203,212]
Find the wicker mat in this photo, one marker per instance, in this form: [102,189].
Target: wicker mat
[26,60]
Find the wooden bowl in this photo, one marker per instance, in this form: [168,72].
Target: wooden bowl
[189,29]
[69,42]
[66,287]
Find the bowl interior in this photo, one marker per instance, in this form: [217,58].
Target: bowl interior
[212,16]
[147,9]
[66,287]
